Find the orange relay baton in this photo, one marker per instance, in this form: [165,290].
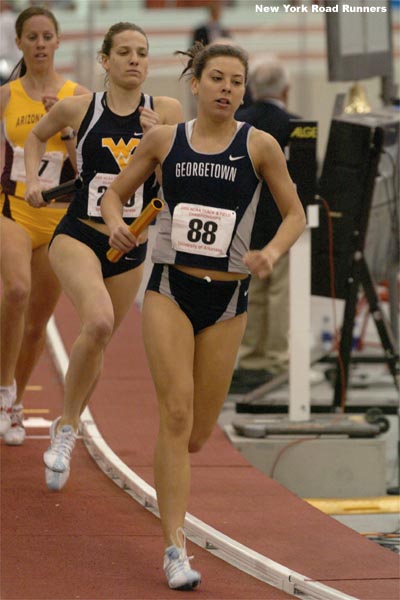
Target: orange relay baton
[138,225]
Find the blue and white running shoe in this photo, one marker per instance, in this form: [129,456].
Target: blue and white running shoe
[57,457]
[180,575]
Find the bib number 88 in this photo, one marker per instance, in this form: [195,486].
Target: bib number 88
[202,230]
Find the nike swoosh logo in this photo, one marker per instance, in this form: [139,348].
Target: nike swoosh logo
[129,258]
[138,134]
[246,292]
[235,157]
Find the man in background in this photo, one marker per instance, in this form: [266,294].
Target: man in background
[208,32]
[264,350]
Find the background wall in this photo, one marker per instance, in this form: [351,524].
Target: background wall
[297,38]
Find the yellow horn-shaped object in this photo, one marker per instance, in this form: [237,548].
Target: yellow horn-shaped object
[358,102]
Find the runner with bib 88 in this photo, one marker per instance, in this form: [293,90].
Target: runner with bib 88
[194,311]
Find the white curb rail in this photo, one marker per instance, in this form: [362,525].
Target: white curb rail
[198,531]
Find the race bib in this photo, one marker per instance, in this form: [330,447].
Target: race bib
[97,187]
[49,170]
[204,230]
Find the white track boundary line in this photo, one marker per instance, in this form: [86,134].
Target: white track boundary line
[207,537]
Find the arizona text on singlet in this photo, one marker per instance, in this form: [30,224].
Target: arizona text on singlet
[105,143]
[211,204]
[20,116]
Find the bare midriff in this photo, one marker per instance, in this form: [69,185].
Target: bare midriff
[216,275]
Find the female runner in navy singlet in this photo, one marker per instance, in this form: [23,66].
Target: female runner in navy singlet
[194,311]
[110,126]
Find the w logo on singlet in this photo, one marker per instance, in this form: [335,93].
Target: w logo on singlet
[121,151]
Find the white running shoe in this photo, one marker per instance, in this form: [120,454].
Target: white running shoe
[57,457]
[7,399]
[15,436]
[177,568]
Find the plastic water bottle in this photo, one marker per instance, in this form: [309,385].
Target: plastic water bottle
[326,334]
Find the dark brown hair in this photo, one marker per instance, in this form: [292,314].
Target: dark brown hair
[119,28]
[199,56]
[32,11]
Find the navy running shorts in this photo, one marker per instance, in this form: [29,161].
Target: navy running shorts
[204,301]
[98,242]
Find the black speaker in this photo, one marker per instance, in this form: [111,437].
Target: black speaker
[346,184]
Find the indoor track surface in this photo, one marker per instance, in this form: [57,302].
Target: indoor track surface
[94,541]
